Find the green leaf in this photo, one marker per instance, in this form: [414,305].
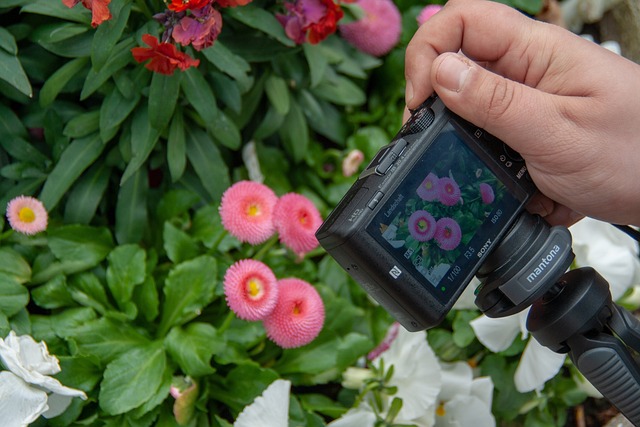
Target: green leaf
[189,287]
[105,338]
[193,346]
[87,290]
[163,97]
[58,10]
[143,140]
[109,32]
[119,58]
[225,131]
[115,109]
[278,93]
[262,20]
[340,90]
[8,41]
[227,91]
[58,80]
[53,294]
[177,146]
[126,270]
[14,265]
[178,244]
[77,157]
[86,194]
[10,125]
[318,63]
[146,298]
[13,296]
[82,244]
[48,34]
[11,71]
[131,209]
[228,62]
[295,133]
[132,379]
[198,93]
[205,158]
[83,124]
[269,125]
[243,384]
[175,203]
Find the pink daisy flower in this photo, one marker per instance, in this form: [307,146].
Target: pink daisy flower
[246,211]
[448,234]
[428,189]
[427,12]
[486,193]
[297,219]
[27,215]
[422,226]
[378,31]
[448,191]
[299,314]
[251,289]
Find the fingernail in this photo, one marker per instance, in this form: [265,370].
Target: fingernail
[453,72]
[408,92]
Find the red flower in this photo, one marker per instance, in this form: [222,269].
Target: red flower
[312,20]
[99,9]
[200,29]
[164,57]
[181,5]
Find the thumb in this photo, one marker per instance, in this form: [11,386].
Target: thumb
[501,106]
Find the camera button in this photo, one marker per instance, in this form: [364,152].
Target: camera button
[375,200]
[390,157]
[512,154]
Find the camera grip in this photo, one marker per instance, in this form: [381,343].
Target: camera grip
[608,365]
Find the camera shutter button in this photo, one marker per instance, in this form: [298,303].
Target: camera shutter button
[390,157]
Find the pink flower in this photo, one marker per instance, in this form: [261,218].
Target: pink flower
[486,192]
[422,226]
[200,29]
[312,20]
[448,234]
[246,211]
[428,189]
[297,219]
[27,215]
[427,12]
[352,162]
[392,334]
[299,314]
[448,191]
[251,289]
[378,31]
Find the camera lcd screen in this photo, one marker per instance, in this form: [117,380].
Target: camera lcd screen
[441,220]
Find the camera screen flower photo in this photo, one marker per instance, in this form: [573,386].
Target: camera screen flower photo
[431,219]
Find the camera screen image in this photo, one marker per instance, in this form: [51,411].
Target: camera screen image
[441,220]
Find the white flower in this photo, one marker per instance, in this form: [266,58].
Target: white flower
[609,251]
[416,373]
[537,365]
[270,409]
[466,401]
[26,389]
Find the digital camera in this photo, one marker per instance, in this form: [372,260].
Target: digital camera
[425,213]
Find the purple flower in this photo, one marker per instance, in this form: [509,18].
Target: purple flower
[428,189]
[486,192]
[200,29]
[448,234]
[422,226]
[448,191]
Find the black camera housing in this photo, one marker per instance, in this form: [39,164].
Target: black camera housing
[421,218]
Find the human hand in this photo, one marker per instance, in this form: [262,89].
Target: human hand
[570,107]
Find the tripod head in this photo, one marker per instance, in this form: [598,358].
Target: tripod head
[571,312]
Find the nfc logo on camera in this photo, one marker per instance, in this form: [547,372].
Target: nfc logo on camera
[395,272]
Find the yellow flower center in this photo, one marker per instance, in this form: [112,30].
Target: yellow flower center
[253,210]
[296,308]
[26,215]
[254,288]
[440,411]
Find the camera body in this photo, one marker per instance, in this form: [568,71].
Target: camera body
[424,214]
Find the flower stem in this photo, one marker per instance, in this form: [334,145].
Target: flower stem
[265,248]
[227,322]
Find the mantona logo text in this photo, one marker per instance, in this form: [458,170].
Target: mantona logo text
[546,261]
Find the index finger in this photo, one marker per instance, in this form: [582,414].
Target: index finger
[483,30]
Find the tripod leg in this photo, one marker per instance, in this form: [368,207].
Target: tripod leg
[608,365]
